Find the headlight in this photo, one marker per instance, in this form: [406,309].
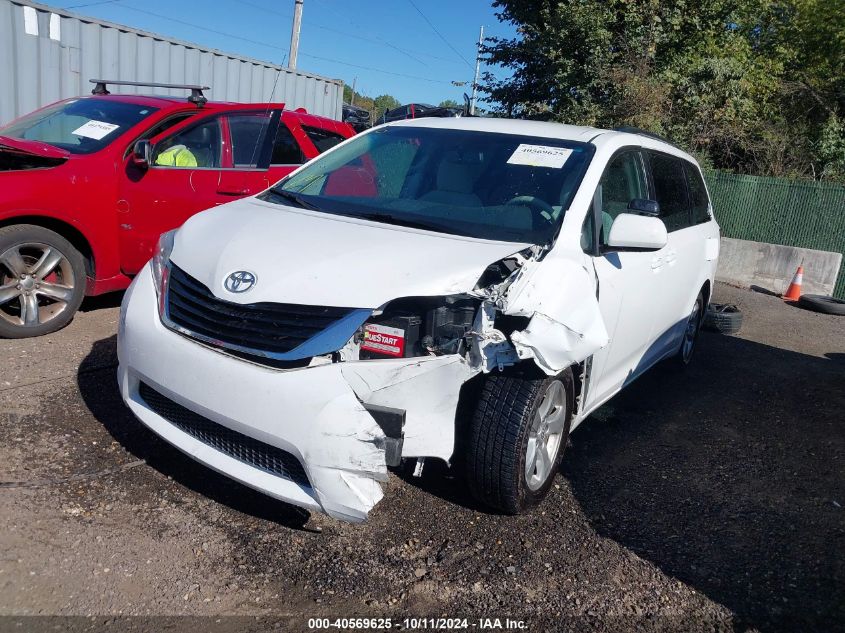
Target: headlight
[418,326]
[158,264]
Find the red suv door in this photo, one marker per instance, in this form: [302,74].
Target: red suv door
[209,160]
[196,165]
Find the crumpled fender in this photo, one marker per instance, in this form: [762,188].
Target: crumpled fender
[427,388]
[566,325]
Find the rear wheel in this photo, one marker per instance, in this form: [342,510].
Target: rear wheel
[42,281]
[518,436]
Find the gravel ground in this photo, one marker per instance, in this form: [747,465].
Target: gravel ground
[705,500]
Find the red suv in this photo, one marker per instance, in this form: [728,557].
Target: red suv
[87,185]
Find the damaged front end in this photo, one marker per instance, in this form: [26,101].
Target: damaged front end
[18,161]
[19,155]
[358,394]
[539,308]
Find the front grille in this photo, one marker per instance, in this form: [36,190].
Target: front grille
[267,327]
[237,445]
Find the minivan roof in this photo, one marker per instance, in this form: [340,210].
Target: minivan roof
[546,129]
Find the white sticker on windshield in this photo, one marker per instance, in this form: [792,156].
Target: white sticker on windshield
[95,129]
[539,156]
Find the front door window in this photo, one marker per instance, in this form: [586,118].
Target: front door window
[197,146]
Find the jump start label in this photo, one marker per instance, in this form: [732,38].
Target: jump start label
[540,156]
[383,339]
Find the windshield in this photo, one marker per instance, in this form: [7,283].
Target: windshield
[81,126]
[493,186]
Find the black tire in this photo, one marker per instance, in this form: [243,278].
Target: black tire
[724,318]
[499,436]
[55,296]
[691,330]
[822,303]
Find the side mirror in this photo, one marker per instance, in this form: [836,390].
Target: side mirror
[641,205]
[637,232]
[142,154]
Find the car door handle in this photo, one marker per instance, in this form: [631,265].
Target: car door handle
[233,192]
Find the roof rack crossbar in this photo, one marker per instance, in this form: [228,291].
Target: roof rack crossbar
[100,88]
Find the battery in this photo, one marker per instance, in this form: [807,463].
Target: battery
[395,337]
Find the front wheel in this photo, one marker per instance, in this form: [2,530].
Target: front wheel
[691,330]
[42,281]
[519,432]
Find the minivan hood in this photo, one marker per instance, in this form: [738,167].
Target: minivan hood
[36,148]
[311,258]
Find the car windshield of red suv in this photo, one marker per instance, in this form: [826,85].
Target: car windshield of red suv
[81,126]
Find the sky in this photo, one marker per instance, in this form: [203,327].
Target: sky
[412,49]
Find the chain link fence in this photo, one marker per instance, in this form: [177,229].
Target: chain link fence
[800,213]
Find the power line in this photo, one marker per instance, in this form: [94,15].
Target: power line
[381,40]
[315,25]
[375,40]
[90,4]
[440,35]
[203,28]
[280,48]
[378,70]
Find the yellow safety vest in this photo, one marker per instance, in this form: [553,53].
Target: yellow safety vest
[176,156]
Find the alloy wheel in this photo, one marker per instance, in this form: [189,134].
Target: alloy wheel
[36,284]
[545,436]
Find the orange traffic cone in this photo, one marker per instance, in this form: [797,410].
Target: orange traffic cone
[793,293]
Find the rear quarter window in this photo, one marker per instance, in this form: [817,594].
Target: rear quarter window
[322,139]
[286,150]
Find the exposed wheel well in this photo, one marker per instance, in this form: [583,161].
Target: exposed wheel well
[706,290]
[67,231]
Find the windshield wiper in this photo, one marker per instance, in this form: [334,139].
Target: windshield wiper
[414,224]
[296,199]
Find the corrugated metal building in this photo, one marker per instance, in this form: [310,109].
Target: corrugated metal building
[47,54]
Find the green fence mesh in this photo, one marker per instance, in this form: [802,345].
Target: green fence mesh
[799,213]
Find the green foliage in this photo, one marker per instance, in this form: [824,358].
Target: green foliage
[832,149]
[749,85]
[449,103]
[384,103]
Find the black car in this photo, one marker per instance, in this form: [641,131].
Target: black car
[358,118]
[418,110]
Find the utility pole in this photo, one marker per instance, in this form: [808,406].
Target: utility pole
[294,34]
[352,98]
[477,69]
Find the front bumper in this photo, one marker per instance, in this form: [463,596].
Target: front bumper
[316,414]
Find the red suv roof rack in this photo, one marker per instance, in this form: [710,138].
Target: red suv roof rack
[196,91]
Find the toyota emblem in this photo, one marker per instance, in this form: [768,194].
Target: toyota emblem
[239,281]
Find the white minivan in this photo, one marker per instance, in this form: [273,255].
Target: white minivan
[465,289]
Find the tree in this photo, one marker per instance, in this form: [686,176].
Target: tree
[383,103]
[749,85]
[449,103]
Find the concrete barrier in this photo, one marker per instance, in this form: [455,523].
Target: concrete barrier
[771,266]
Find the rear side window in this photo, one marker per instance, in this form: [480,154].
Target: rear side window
[671,191]
[322,139]
[248,132]
[699,202]
[286,150]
